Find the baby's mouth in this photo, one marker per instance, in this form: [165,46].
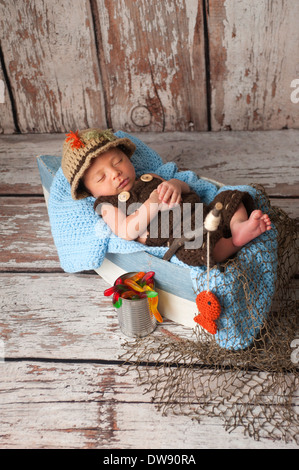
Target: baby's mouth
[123,183]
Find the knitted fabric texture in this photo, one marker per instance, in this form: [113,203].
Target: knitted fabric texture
[82,239]
[198,377]
[175,218]
[210,309]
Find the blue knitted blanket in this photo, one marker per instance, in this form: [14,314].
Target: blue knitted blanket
[82,239]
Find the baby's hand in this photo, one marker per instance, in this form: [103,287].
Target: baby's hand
[169,192]
[155,199]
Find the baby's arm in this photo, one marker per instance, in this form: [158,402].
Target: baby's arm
[170,191]
[132,226]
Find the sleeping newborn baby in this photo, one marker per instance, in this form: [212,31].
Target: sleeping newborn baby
[97,163]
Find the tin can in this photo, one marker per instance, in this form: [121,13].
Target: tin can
[134,316]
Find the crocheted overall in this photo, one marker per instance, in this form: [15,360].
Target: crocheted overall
[193,257]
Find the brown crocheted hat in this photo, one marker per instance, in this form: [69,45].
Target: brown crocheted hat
[81,147]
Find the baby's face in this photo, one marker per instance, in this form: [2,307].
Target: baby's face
[109,174]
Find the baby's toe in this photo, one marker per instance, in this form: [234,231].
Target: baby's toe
[256,214]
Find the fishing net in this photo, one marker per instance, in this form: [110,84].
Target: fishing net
[195,375]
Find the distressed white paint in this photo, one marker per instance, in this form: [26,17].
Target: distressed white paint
[64,406]
[191,13]
[16,230]
[144,46]
[69,404]
[230,157]
[51,59]
[152,55]
[261,44]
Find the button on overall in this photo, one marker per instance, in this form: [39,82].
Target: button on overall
[146,178]
[123,196]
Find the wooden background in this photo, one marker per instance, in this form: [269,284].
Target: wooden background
[139,65]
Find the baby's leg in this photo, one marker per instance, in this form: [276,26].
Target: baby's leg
[245,229]
[224,249]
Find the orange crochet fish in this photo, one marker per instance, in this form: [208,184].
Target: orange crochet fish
[209,310]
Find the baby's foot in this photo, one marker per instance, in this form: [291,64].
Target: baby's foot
[244,232]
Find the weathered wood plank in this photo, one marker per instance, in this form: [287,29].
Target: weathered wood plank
[60,405]
[18,167]
[153,64]
[26,240]
[290,206]
[58,316]
[63,316]
[252,64]
[49,404]
[7,125]
[269,158]
[144,65]
[51,61]
[66,316]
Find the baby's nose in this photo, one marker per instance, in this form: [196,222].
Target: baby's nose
[115,173]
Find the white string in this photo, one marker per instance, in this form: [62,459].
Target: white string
[208,260]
